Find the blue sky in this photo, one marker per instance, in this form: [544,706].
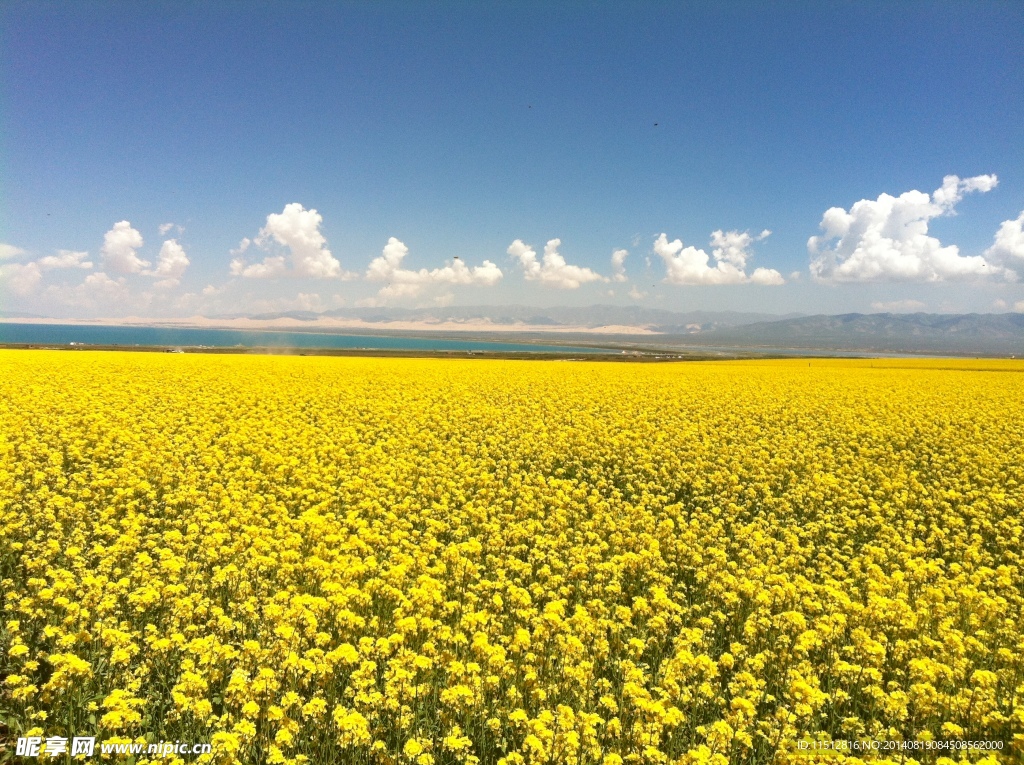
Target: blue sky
[460,129]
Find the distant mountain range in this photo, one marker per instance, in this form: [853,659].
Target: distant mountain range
[959,334]
[984,334]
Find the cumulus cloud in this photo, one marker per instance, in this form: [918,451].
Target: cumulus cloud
[163,228]
[731,251]
[298,231]
[734,246]
[98,290]
[238,266]
[619,265]
[886,239]
[9,251]
[552,270]
[1018,307]
[119,249]
[636,293]
[898,306]
[170,265]
[20,278]
[308,301]
[65,259]
[23,278]
[100,282]
[403,282]
[953,189]
[269,268]
[767,277]
[1008,248]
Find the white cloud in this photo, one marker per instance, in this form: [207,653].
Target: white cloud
[767,277]
[953,189]
[308,301]
[8,251]
[733,247]
[170,265]
[898,306]
[404,282]
[65,259]
[20,278]
[97,290]
[689,265]
[795,275]
[119,249]
[400,290]
[297,230]
[886,239]
[1018,307]
[210,291]
[186,301]
[164,228]
[269,268]
[619,265]
[552,270]
[100,282]
[23,278]
[731,250]
[999,304]
[1008,247]
[636,293]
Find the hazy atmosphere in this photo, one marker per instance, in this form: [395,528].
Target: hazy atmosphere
[174,160]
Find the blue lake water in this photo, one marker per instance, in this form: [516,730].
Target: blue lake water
[63,335]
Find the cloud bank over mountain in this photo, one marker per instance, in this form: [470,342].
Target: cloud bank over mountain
[878,241]
[403,282]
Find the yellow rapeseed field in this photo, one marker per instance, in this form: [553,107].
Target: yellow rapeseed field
[334,560]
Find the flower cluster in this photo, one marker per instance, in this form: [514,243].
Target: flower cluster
[429,562]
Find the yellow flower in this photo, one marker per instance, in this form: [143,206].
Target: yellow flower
[397,560]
